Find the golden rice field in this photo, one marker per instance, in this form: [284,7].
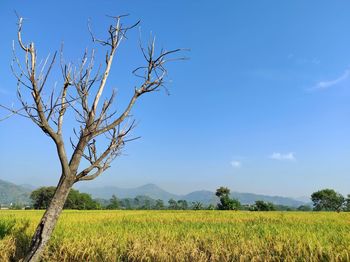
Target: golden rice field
[182,236]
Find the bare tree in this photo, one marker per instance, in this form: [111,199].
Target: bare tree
[81,91]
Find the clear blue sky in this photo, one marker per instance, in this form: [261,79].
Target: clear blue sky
[263,104]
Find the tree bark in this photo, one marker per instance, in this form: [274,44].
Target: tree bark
[48,221]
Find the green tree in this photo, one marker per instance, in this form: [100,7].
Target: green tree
[113,203]
[263,206]
[182,204]
[83,201]
[146,204]
[197,205]
[159,205]
[172,204]
[222,191]
[137,202]
[42,197]
[347,203]
[210,207]
[226,203]
[126,203]
[327,200]
[304,208]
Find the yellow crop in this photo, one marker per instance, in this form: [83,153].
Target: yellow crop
[182,236]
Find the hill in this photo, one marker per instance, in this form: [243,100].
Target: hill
[149,190]
[204,196]
[249,198]
[11,193]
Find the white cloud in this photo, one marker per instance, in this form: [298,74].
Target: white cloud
[279,156]
[330,83]
[236,164]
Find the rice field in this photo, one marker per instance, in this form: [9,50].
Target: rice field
[182,236]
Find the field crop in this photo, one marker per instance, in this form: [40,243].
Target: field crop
[182,236]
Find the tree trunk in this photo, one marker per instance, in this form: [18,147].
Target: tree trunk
[49,220]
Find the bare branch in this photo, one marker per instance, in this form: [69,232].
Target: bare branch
[101,163]
[152,81]
[48,111]
[19,35]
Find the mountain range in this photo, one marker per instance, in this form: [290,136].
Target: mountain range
[11,193]
[204,196]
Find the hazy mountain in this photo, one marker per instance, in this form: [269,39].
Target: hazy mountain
[209,197]
[204,196]
[11,193]
[249,198]
[149,190]
[305,199]
[29,187]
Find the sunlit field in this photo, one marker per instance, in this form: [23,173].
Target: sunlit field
[182,236]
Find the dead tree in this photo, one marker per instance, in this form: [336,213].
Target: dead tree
[81,91]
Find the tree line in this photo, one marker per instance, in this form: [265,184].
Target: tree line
[81,201]
[323,200]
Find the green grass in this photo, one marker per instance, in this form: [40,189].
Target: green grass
[183,236]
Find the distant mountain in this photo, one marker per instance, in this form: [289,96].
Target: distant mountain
[304,199]
[249,198]
[204,196]
[11,193]
[149,190]
[209,197]
[29,187]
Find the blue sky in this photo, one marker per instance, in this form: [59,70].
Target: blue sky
[262,105]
